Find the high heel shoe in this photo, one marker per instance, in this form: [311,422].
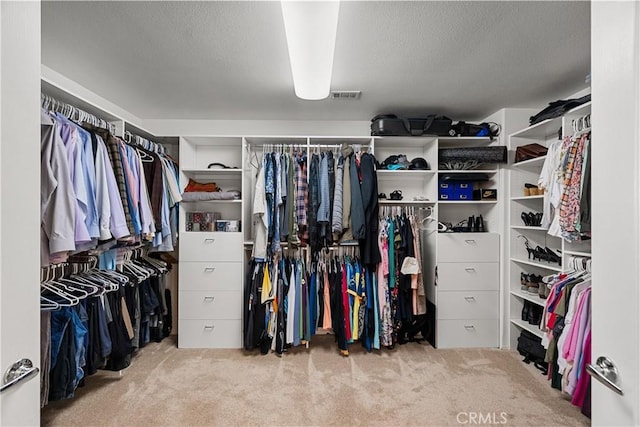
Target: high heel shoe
[530,251]
[541,253]
[552,256]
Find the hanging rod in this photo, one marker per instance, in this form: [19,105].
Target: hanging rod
[75,114]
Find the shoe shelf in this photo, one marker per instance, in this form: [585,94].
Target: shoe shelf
[578,253]
[461,202]
[406,202]
[531,163]
[528,227]
[529,297]
[534,329]
[538,196]
[547,266]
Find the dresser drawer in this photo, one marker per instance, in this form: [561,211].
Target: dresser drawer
[210,276]
[210,333]
[468,305]
[462,276]
[210,305]
[471,247]
[467,333]
[197,246]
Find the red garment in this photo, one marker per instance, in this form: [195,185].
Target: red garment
[345,305]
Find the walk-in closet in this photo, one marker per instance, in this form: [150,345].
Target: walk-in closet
[319,213]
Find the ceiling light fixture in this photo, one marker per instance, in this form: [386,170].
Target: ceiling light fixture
[310,28]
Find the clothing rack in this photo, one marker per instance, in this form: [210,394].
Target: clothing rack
[144,143]
[579,263]
[73,113]
[79,116]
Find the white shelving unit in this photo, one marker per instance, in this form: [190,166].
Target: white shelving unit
[518,260]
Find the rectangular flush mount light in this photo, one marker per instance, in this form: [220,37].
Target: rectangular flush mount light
[310,28]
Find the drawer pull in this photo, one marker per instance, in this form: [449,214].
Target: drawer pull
[470,298]
[470,241]
[470,270]
[209,298]
[209,327]
[469,327]
[209,240]
[209,269]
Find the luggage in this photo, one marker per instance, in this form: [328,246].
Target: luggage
[392,125]
[558,108]
[469,129]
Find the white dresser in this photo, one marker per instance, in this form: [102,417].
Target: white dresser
[210,290]
[467,291]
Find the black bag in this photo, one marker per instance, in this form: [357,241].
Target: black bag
[469,129]
[558,108]
[530,346]
[392,125]
[493,154]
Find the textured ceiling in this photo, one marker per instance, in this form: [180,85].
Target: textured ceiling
[228,60]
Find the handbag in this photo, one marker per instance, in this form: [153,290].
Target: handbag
[529,151]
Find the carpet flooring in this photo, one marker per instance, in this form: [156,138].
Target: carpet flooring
[414,384]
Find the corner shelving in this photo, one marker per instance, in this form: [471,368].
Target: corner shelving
[521,324]
[551,267]
[519,174]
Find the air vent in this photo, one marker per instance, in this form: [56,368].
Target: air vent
[345,94]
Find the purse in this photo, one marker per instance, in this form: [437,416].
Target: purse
[529,151]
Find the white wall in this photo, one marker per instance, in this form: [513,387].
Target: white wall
[19,204]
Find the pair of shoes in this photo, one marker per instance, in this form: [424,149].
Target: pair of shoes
[531,219]
[532,190]
[540,253]
[531,313]
[476,224]
[549,255]
[533,284]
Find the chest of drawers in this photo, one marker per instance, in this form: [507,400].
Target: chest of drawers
[467,291]
[210,290]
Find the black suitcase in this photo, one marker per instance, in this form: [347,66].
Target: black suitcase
[392,125]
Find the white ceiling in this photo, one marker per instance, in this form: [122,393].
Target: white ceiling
[228,60]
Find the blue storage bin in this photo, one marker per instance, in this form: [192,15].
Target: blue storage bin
[446,191]
[463,190]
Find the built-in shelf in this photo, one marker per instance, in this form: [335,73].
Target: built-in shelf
[540,131]
[537,162]
[462,202]
[447,171]
[218,172]
[528,227]
[534,329]
[212,201]
[405,202]
[578,253]
[536,197]
[386,173]
[551,267]
[529,297]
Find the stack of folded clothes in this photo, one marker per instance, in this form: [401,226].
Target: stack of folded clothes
[197,191]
